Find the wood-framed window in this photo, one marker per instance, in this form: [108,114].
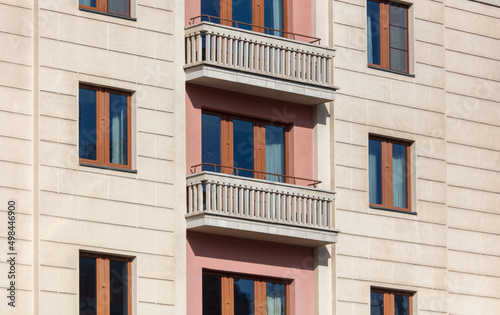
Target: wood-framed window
[226,294]
[118,7]
[388,37]
[255,14]
[104,127]
[105,285]
[246,143]
[390,302]
[389,173]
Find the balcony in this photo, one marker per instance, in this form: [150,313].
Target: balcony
[255,63]
[259,209]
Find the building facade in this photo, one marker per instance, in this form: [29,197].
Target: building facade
[250,157]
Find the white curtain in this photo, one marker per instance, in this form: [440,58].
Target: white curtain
[274,305]
[119,7]
[370,45]
[87,3]
[277,16]
[275,152]
[118,138]
[399,176]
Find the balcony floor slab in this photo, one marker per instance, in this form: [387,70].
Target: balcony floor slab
[259,85]
[263,231]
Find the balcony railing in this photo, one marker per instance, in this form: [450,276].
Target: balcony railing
[259,200]
[259,53]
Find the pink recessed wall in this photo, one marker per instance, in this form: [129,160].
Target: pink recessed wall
[299,15]
[300,116]
[241,256]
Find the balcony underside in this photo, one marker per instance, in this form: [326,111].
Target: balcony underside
[262,231]
[259,85]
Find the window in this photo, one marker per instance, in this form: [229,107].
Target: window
[389,173]
[105,285]
[390,302]
[256,15]
[387,29]
[244,146]
[119,7]
[229,294]
[104,127]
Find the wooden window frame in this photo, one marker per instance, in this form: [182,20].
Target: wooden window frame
[385,44]
[102,6]
[386,164]
[389,299]
[102,126]
[102,281]
[259,133]
[226,14]
[227,291]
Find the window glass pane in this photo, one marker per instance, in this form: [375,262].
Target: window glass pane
[88,296]
[399,60]
[243,147]
[242,12]
[376,303]
[373,31]
[399,38]
[243,297]
[275,298]
[274,16]
[275,152]
[398,15]
[87,124]
[210,141]
[399,176]
[88,3]
[118,136]
[119,7]
[401,305]
[118,287]
[212,8]
[212,295]
[375,171]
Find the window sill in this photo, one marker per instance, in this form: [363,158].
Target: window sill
[109,168]
[109,14]
[392,71]
[393,210]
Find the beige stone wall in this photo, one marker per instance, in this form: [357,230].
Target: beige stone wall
[449,252]
[16,149]
[472,42]
[85,208]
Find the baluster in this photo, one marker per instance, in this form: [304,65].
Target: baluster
[190,199]
[303,75]
[262,57]
[213,47]
[231,197]
[215,188]
[294,209]
[323,70]
[224,50]
[241,53]
[198,47]
[208,47]
[294,63]
[288,65]
[272,56]
[230,52]
[252,203]
[257,203]
[277,203]
[267,58]
[208,196]
[309,210]
[200,197]
[314,65]
[282,61]
[224,199]
[219,48]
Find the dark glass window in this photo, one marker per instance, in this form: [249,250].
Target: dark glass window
[387,31]
[212,295]
[211,141]
[389,173]
[104,285]
[119,7]
[104,127]
[243,147]
[390,302]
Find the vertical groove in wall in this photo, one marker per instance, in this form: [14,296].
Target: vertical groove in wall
[36,265]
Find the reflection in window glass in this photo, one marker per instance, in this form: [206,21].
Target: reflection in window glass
[87,124]
[88,295]
[243,147]
[373,31]
[376,303]
[399,176]
[88,3]
[375,171]
[274,16]
[244,300]
[210,141]
[401,305]
[118,287]
[212,8]
[242,12]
